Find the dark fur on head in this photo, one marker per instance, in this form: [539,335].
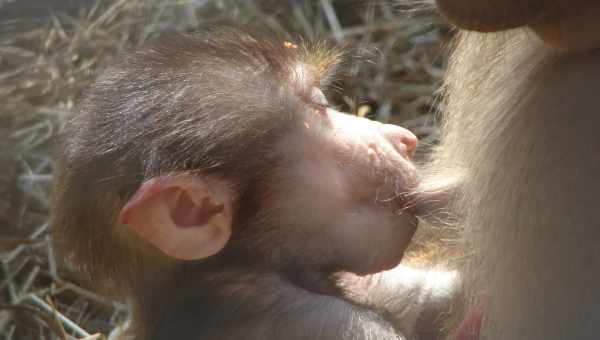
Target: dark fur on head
[209,103]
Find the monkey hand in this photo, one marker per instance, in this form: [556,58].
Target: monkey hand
[414,300]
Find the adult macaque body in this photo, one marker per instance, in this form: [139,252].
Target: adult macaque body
[206,179]
[521,129]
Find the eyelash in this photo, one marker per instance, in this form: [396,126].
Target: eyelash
[320,109]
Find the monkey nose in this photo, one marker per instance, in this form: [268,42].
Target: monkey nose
[400,136]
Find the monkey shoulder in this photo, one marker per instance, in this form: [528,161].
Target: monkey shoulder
[319,318]
[291,312]
[272,308]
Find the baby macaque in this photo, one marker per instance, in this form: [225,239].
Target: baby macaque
[206,180]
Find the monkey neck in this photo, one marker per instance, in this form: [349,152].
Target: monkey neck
[204,293]
[299,272]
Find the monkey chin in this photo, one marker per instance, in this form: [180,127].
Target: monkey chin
[409,226]
[390,257]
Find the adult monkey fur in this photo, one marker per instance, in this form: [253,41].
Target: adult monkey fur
[206,179]
[521,129]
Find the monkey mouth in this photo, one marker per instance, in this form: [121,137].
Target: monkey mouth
[406,197]
[422,204]
[409,207]
[405,203]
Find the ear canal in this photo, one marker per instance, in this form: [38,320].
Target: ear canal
[491,15]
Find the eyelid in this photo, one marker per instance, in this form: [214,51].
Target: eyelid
[317,97]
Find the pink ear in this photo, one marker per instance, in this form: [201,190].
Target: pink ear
[148,189]
[185,216]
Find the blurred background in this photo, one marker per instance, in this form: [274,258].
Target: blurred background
[50,50]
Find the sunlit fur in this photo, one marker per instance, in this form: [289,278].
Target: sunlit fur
[520,126]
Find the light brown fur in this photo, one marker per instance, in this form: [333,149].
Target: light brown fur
[521,126]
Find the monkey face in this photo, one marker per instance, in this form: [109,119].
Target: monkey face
[343,191]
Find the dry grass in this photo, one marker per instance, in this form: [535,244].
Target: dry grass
[396,67]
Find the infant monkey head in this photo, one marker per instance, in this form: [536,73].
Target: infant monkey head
[220,148]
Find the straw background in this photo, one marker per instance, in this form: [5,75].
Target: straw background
[51,50]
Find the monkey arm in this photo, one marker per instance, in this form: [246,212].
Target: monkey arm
[414,300]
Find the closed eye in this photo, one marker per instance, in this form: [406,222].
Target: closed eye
[317,97]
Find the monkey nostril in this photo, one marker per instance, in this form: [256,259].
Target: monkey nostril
[396,134]
[410,141]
